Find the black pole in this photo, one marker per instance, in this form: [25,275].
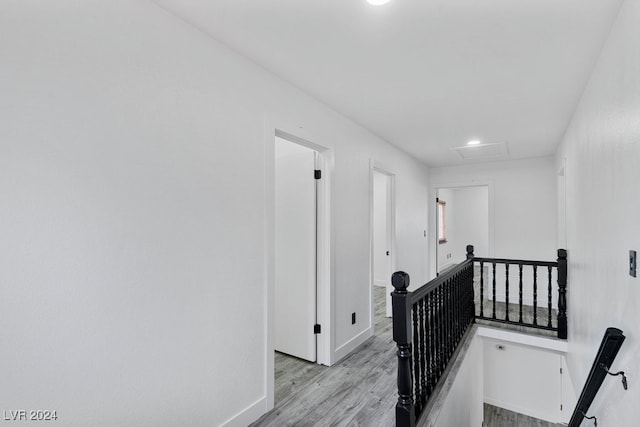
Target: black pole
[562,294]
[401,305]
[470,291]
[470,252]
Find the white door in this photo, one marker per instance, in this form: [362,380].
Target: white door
[295,250]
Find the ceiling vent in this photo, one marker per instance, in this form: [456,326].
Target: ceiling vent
[483,151]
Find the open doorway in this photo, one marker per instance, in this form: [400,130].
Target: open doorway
[382,244]
[462,215]
[299,290]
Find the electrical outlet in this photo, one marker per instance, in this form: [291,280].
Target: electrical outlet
[353,318]
[632,263]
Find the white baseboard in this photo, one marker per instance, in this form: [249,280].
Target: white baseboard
[345,349]
[247,415]
[380,283]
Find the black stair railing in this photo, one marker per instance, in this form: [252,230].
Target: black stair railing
[428,325]
[609,347]
[496,302]
[430,322]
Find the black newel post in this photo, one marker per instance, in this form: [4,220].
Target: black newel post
[401,305]
[562,293]
[472,297]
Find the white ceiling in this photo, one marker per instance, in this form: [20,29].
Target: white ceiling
[425,75]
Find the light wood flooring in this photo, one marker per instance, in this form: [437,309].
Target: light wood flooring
[358,391]
[498,417]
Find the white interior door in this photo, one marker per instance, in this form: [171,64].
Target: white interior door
[295,250]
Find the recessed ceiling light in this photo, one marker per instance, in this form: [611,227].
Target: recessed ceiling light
[377,2]
[474,142]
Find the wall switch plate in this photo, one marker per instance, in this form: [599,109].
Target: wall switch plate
[353,318]
[632,263]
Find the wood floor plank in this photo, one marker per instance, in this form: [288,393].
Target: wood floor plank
[358,391]
[500,417]
[361,390]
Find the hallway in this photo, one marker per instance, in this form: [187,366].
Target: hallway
[358,391]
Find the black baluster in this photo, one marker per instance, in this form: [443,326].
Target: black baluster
[562,294]
[535,295]
[494,289]
[470,305]
[401,305]
[454,306]
[442,326]
[416,357]
[454,334]
[448,286]
[423,351]
[459,304]
[464,297]
[481,289]
[469,286]
[461,308]
[472,296]
[433,341]
[437,311]
[549,294]
[443,331]
[520,291]
[464,301]
[506,285]
[427,352]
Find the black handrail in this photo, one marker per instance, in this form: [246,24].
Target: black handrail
[546,270]
[609,347]
[429,323]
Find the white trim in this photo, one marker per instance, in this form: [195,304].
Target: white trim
[345,349]
[248,415]
[433,194]
[376,166]
[553,344]
[325,308]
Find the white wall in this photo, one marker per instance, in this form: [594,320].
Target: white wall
[522,379]
[472,221]
[463,406]
[134,152]
[467,222]
[602,152]
[522,204]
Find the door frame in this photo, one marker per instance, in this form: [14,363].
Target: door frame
[376,166]
[324,306]
[433,195]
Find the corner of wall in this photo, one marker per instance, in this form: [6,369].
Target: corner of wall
[248,415]
[345,349]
